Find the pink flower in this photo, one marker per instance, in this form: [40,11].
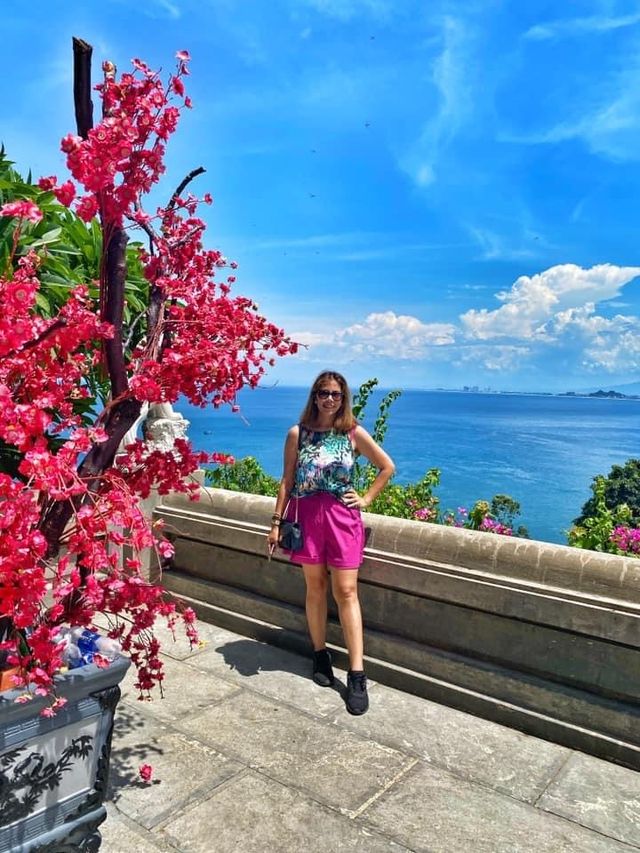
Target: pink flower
[177,86]
[22,210]
[183,55]
[65,193]
[47,183]
[146,772]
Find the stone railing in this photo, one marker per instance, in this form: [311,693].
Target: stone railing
[541,637]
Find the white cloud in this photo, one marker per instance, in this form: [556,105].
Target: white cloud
[380,335]
[310,339]
[611,344]
[500,358]
[534,300]
[496,246]
[578,26]
[550,315]
[618,352]
[454,84]
[605,115]
[395,335]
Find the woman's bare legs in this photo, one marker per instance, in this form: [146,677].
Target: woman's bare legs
[344,586]
[316,603]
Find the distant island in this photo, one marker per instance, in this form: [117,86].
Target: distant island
[599,394]
[609,395]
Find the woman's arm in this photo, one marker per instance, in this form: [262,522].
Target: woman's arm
[286,483]
[365,445]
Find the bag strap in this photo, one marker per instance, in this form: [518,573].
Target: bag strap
[286,509]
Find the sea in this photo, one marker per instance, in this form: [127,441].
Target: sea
[543,450]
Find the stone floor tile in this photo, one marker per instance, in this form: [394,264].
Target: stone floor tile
[273,672]
[599,795]
[122,835]
[331,764]
[186,689]
[182,768]
[431,810]
[272,818]
[178,646]
[477,749]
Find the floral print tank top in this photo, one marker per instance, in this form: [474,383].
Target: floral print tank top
[325,463]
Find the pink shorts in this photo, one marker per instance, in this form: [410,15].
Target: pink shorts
[333,534]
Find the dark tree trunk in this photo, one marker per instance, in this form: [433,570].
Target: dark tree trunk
[82,86]
[115,275]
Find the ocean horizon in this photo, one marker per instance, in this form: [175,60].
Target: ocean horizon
[542,449]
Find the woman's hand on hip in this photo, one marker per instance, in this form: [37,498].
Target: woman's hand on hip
[353,500]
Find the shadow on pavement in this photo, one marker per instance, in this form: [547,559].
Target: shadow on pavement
[249,658]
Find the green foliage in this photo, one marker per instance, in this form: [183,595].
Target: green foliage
[477,514]
[594,531]
[365,473]
[621,487]
[69,251]
[401,501]
[406,501]
[245,475]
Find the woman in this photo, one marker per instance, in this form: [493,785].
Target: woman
[317,484]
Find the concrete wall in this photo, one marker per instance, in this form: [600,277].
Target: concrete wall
[538,636]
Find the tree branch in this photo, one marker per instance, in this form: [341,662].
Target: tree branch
[183,183]
[82,86]
[115,274]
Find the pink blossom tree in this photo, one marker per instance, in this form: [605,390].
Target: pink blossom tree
[71,501]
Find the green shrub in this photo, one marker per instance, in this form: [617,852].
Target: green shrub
[621,487]
[244,475]
[594,531]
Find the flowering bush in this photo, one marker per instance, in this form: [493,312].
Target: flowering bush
[486,517]
[626,540]
[604,530]
[79,359]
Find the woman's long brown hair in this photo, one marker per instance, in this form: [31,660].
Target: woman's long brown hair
[344,420]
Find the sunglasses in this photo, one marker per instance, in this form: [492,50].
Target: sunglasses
[324,395]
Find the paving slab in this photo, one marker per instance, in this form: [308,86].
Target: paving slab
[433,810]
[122,835]
[183,768]
[176,645]
[273,672]
[331,764]
[599,795]
[479,750]
[186,690]
[272,818]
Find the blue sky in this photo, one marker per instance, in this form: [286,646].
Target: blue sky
[438,194]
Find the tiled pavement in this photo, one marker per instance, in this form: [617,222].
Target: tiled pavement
[249,755]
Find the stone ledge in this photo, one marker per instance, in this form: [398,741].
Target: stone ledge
[555,567]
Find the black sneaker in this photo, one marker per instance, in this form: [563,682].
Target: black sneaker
[357,697]
[322,672]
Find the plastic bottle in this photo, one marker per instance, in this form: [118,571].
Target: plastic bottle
[108,648]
